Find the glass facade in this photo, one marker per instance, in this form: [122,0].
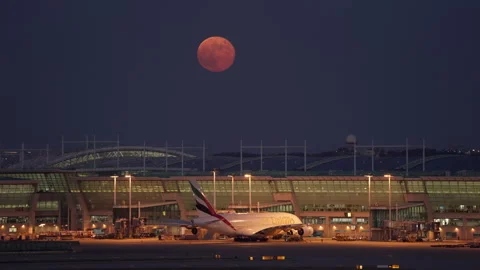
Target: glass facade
[313,195]
[413,213]
[99,194]
[45,220]
[314,220]
[362,221]
[16,196]
[341,220]
[456,222]
[261,192]
[288,208]
[7,220]
[47,206]
[100,219]
[48,182]
[474,222]
[345,195]
[154,214]
[454,196]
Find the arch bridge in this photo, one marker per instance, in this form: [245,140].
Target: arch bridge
[108,156]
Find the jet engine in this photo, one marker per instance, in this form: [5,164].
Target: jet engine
[194,228]
[305,231]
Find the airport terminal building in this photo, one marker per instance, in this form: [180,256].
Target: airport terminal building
[76,191]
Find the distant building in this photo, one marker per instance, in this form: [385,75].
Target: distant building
[71,193]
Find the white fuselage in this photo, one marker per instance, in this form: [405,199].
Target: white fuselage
[245,224]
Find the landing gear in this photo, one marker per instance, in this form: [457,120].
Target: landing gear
[194,231]
[293,238]
[250,239]
[290,232]
[241,239]
[300,232]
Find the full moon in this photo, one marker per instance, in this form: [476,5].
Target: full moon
[216,54]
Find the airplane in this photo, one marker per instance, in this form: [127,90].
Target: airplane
[242,226]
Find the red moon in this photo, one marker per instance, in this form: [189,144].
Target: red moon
[216,54]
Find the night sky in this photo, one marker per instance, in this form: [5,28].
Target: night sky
[315,70]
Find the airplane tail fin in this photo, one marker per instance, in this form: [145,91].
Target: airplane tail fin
[201,202]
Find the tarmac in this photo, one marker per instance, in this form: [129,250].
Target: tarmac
[226,254]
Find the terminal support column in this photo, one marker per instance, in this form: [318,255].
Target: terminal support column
[31,214]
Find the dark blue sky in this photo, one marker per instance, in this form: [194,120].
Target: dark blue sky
[318,70]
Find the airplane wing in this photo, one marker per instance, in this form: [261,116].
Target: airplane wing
[272,230]
[181,223]
[175,222]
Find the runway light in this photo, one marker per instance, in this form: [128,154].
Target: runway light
[267,258]
[359,267]
[250,258]
[280,258]
[217,256]
[395,266]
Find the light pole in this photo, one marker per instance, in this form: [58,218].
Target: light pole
[214,190]
[369,208]
[233,179]
[129,205]
[389,205]
[114,190]
[249,176]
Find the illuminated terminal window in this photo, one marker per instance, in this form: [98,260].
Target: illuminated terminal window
[283,186]
[416,186]
[20,207]
[9,189]
[15,200]
[46,220]
[154,214]
[340,220]
[184,186]
[473,222]
[171,186]
[122,186]
[449,221]
[362,220]
[287,208]
[454,196]
[47,205]
[314,220]
[100,219]
[411,213]
[453,187]
[11,220]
